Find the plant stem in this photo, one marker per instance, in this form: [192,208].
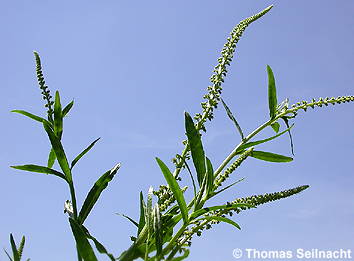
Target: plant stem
[73,199]
[174,252]
[234,152]
[172,241]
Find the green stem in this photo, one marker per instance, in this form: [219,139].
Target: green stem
[234,152]
[171,244]
[175,250]
[73,199]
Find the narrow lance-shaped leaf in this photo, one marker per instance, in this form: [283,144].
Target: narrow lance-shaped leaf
[32,116]
[129,218]
[84,248]
[210,176]
[176,190]
[40,169]
[142,214]
[59,152]
[21,246]
[78,157]
[14,248]
[95,192]
[254,143]
[58,117]
[196,147]
[51,158]
[271,157]
[101,248]
[67,108]
[231,116]
[272,93]
[222,219]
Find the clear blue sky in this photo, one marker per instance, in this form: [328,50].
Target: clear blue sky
[132,68]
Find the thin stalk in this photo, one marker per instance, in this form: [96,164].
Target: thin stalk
[174,252]
[73,199]
[183,156]
[175,237]
[245,140]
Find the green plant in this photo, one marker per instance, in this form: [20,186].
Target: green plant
[16,251]
[165,229]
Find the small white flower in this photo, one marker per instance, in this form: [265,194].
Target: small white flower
[68,208]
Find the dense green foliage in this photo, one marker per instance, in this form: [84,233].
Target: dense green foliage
[165,229]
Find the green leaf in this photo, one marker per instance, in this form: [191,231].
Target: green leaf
[176,190]
[100,248]
[254,143]
[210,176]
[58,117]
[142,214]
[84,248]
[222,219]
[275,126]
[129,218]
[14,249]
[268,156]
[272,93]
[51,158]
[95,192]
[196,147]
[32,116]
[67,108]
[78,157]
[39,169]
[20,248]
[231,116]
[59,152]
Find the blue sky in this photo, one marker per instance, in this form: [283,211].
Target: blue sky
[133,68]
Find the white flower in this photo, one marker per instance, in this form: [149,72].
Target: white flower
[68,208]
